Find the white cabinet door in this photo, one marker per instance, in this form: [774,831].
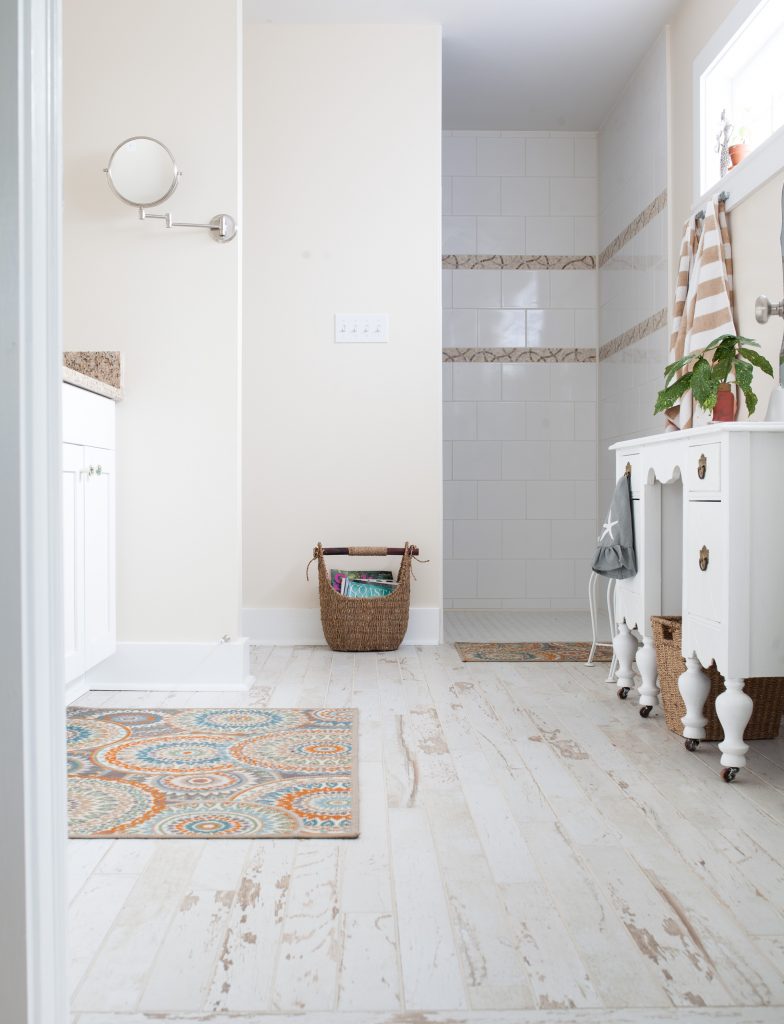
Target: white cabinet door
[73,560]
[99,559]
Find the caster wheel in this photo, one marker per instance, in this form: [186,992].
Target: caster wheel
[645,710]
[729,774]
[623,693]
[691,744]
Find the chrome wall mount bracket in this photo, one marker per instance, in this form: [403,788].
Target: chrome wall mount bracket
[223,227]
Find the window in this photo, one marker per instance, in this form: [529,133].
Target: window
[741,72]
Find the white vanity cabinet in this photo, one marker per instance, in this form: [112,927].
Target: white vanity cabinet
[88,529]
[722,545]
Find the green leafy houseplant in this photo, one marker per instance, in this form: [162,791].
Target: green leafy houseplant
[710,367]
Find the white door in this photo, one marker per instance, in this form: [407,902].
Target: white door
[99,567]
[73,559]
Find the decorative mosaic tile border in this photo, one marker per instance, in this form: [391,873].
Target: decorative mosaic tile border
[640,221]
[633,335]
[518,355]
[451,262]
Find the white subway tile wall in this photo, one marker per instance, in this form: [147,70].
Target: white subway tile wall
[521,437]
[521,496]
[509,194]
[633,283]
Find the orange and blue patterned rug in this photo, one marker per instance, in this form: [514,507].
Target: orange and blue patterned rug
[534,650]
[244,773]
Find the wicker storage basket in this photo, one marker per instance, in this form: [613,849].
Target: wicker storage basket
[365,623]
[767,693]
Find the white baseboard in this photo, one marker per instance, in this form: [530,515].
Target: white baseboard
[288,627]
[75,689]
[174,667]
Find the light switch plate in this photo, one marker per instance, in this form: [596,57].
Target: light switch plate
[361,328]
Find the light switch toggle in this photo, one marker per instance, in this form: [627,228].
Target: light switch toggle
[359,328]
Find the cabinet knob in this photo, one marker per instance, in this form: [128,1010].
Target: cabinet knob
[702,465]
[704,558]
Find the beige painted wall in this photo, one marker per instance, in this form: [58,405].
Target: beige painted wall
[168,300]
[756,259]
[341,443]
[755,223]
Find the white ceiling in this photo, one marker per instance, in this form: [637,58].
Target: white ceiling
[513,64]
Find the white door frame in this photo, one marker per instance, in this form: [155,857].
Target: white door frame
[32,733]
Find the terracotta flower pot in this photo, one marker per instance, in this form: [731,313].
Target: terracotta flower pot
[724,409]
[738,152]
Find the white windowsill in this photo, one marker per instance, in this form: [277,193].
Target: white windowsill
[762,164]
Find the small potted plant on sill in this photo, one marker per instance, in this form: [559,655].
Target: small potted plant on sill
[739,147]
[707,373]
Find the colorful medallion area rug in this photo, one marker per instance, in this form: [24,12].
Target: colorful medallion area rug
[223,773]
[539,650]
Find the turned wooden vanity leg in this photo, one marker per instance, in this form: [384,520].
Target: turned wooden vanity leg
[694,685]
[625,647]
[649,687]
[734,707]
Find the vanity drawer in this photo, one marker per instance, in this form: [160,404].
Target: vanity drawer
[706,556]
[703,470]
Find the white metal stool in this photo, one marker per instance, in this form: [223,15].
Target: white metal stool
[592,581]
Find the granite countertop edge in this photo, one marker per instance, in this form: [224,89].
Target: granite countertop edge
[98,387]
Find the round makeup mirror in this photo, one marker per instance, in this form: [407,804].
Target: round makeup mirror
[142,172]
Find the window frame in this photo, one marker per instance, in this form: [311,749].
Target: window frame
[765,160]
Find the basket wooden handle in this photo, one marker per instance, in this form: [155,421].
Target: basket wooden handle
[413,550]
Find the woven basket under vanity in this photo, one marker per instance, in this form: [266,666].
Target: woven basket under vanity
[767,693]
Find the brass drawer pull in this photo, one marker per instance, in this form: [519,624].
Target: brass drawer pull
[704,558]
[702,465]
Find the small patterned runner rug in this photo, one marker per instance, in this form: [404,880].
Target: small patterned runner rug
[224,773]
[538,650]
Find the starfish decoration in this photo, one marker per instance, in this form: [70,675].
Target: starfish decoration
[608,528]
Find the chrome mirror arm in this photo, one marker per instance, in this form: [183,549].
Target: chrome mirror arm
[223,225]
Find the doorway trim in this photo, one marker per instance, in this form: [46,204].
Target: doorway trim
[32,725]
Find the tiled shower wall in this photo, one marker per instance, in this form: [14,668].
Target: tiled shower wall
[520,334]
[633,247]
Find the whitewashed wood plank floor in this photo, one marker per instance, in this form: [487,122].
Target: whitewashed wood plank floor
[532,852]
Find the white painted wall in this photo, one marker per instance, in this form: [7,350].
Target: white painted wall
[168,300]
[341,443]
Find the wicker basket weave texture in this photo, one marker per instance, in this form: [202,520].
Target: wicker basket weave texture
[365,623]
[767,693]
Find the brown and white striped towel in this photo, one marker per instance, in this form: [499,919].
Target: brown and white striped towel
[703,299]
